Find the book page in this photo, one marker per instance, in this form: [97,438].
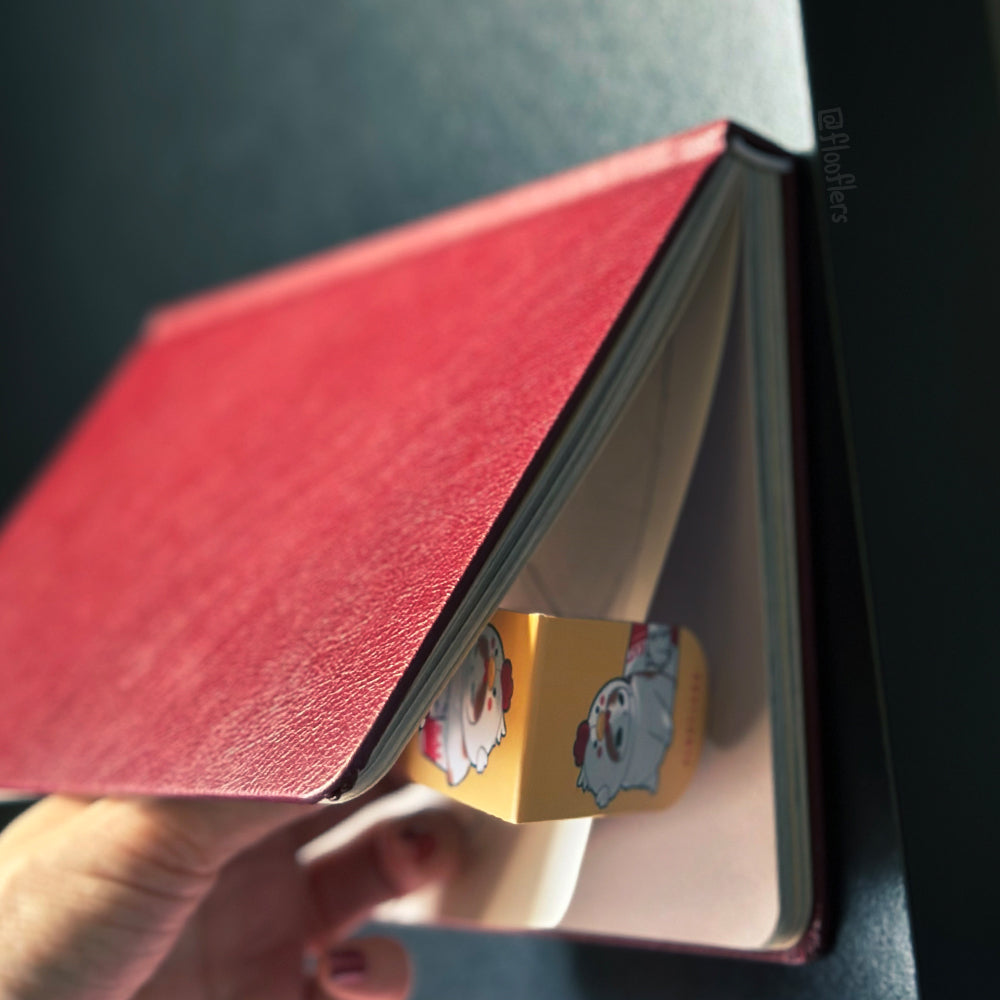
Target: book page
[705,870]
[602,558]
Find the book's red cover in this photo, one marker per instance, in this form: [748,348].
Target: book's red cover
[227,576]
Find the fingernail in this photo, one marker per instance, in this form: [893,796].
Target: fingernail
[346,966]
[420,842]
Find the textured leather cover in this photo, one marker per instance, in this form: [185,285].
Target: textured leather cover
[231,571]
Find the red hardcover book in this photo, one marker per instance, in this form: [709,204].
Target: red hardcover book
[289,514]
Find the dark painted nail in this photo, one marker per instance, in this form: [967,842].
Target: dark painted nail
[346,965]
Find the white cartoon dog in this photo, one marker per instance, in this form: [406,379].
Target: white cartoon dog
[628,730]
[466,720]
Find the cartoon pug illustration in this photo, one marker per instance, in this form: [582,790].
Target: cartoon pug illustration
[466,720]
[623,740]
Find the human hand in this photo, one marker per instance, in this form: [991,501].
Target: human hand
[149,899]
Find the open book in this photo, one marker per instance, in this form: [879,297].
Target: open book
[290,514]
